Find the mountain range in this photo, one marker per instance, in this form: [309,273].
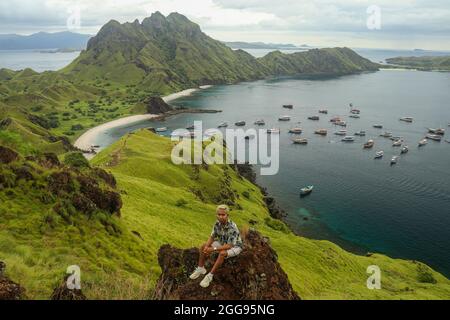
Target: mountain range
[44,40]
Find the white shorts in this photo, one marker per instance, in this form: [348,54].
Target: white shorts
[233,252]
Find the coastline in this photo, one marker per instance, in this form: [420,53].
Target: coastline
[87,139]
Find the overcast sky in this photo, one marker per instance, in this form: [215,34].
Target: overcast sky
[403,24]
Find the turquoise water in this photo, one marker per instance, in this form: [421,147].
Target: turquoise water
[358,202]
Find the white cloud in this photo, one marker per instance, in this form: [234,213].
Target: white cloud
[294,19]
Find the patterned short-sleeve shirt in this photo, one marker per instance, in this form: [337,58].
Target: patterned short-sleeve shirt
[227,233]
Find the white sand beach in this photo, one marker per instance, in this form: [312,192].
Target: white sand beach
[87,139]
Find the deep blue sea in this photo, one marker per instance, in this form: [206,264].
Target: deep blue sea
[358,202]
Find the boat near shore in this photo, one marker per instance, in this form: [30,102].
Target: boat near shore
[348,139]
[378,126]
[314,118]
[423,142]
[260,122]
[324,111]
[284,118]
[223,125]
[361,133]
[288,106]
[439,131]
[240,123]
[162,129]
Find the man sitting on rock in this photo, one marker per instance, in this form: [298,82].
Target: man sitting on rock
[225,239]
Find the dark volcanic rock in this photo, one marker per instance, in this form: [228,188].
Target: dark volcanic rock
[64,293]
[106,176]
[255,274]
[7,155]
[103,199]
[9,290]
[156,105]
[60,182]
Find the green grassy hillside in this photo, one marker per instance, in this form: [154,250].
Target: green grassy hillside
[166,203]
[426,63]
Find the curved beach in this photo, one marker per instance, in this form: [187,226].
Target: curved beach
[87,139]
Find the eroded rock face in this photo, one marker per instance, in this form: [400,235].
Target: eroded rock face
[156,105]
[9,290]
[7,155]
[254,274]
[62,292]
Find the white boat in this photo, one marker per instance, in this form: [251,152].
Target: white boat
[360,133]
[322,132]
[434,137]
[306,190]
[394,160]
[273,130]
[295,130]
[395,138]
[300,141]
[397,143]
[260,122]
[379,154]
[348,139]
[369,144]
[341,132]
[405,149]
[284,118]
[341,123]
[162,129]
[354,116]
[386,135]
[407,119]
[423,142]
[335,119]
[223,125]
[378,126]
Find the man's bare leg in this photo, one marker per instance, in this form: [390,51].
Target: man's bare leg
[220,259]
[202,256]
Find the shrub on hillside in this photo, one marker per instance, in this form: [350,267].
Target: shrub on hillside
[76,159]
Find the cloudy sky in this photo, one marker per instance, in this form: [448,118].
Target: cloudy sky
[403,24]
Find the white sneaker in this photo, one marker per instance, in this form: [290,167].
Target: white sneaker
[206,280]
[197,272]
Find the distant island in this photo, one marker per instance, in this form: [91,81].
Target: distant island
[44,40]
[425,63]
[262,45]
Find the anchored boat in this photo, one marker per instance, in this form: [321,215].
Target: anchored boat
[348,139]
[360,133]
[306,190]
[260,122]
[162,129]
[369,144]
[300,141]
[407,119]
[405,149]
[295,130]
[379,154]
[437,131]
[288,106]
[322,132]
[341,132]
[314,118]
[273,130]
[434,137]
[240,123]
[423,142]
[394,160]
[378,126]
[284,118]
[223,125]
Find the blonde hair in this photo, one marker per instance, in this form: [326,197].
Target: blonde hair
[223,207]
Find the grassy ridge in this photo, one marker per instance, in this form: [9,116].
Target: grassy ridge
[166,203]
[426,63]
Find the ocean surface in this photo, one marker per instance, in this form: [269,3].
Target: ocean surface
[44,61]
[358,202]
[38,60]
